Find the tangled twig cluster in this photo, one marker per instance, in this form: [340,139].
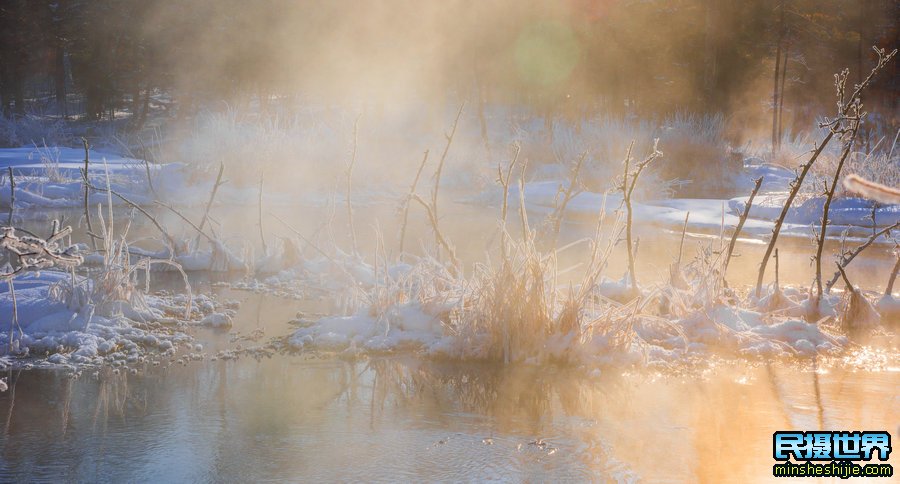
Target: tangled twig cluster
[34,253]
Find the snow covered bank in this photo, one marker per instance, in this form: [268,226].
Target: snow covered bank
[51,177]
[850,216]
[54,330]
[52,315]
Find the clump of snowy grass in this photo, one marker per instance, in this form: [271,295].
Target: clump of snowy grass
[49,157]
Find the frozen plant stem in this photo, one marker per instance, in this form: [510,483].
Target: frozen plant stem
[262,236]
[442,242]
[12,196]
[350,184]
[440,167]
[687,216]
[15,313]
[412,191]
[629,181]
[568,194]
[504,205]
[162,230]
[87,191]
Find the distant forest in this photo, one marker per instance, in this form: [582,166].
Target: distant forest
[92,59]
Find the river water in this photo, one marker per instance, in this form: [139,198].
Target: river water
[390,418]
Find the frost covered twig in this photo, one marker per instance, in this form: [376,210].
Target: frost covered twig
[567,194]
[629,181]
[34,253]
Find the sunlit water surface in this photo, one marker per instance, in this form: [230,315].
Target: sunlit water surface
[317,418]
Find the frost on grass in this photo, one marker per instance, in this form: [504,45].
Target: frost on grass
[516,312]
[57,317]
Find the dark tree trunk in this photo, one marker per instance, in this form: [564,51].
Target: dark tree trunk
[787,48]
[710,64]
[145,108]
[59,79]
[19,91]
[775,134]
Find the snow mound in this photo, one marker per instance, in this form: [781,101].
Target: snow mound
[409,326]
[55,330]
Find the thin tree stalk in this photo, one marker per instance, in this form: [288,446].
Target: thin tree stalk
[440,167]
[12,196]
[262,235]
[212,196]
[87,190]
[14,322]
[687,216]
[412,191]
[627,191]
[351,228]
[740,226]
[889,290]
[820,243]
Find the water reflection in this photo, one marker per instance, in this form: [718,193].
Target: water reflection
[403,418]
